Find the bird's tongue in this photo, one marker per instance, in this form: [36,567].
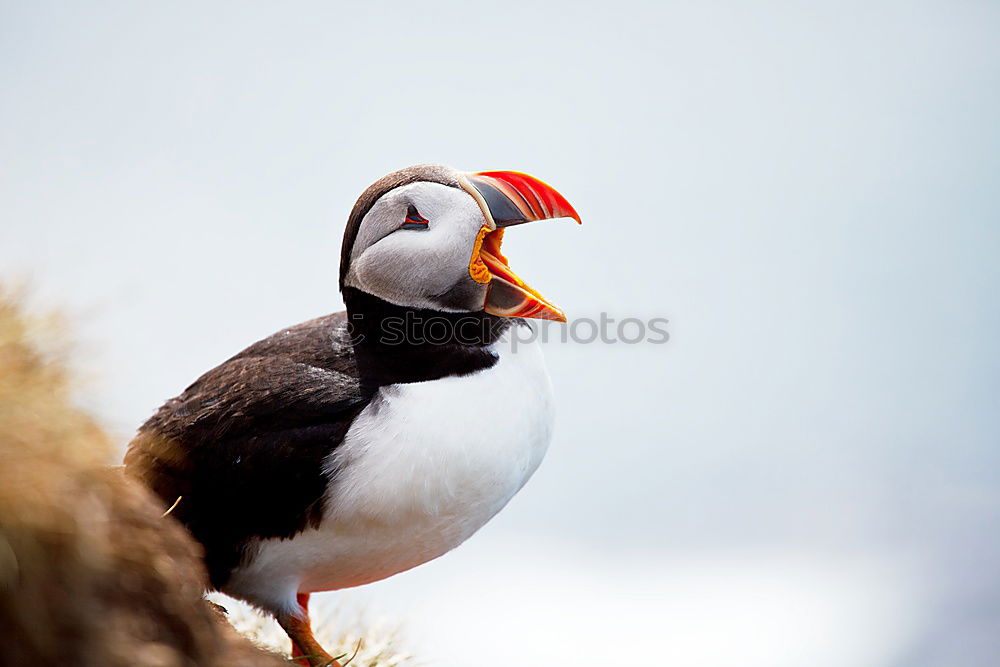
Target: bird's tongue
[508,295]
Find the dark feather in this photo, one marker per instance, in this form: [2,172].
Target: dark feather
[244,445]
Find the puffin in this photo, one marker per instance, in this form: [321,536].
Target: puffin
[361,444]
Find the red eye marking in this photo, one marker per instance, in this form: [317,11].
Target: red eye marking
[413,219]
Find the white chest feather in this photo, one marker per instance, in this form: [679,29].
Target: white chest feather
[421,469]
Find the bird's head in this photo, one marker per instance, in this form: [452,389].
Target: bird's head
[429,237]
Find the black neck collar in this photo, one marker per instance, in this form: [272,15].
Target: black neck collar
[395,344]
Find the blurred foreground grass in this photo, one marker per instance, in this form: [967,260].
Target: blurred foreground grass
[90,571]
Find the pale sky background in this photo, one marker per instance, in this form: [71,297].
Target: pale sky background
[808,473]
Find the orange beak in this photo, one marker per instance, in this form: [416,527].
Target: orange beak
[510,198]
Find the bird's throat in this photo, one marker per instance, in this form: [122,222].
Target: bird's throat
[395,344]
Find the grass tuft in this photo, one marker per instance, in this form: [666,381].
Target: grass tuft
[93,572]
[372,644]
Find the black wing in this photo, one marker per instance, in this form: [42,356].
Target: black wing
[243,447]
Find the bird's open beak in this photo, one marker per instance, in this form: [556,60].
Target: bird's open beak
[510,198]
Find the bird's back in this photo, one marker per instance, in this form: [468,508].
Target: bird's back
[240,451]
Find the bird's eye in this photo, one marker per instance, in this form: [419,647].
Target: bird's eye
[413,219]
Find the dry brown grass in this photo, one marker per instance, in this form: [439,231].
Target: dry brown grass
[90,573]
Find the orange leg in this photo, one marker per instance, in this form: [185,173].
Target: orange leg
[304,645]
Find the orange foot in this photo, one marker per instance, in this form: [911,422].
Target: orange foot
[305,649]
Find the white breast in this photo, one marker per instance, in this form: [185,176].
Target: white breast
[421,469]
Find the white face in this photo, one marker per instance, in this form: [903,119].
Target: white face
[423,267]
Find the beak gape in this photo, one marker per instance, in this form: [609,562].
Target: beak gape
[510,198]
